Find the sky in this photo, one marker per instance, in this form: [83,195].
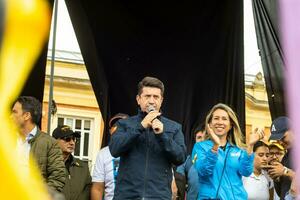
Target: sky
[66,39]
[251,55]
[65,35]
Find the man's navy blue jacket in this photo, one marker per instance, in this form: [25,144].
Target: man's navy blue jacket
[146,159]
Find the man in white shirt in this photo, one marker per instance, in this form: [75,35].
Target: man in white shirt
[106,168]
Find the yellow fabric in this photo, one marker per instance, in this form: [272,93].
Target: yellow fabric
[26,26]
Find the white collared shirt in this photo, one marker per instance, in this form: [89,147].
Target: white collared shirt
[23,149]
[258,187]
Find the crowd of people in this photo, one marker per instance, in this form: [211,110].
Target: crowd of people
[146,157]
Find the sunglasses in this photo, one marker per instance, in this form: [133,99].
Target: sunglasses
[277,154]
[69,138]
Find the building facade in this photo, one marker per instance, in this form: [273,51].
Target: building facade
[256,103]
[75,103]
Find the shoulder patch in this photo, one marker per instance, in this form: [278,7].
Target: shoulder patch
[113,129]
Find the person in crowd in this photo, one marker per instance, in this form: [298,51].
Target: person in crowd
[222,160]
[259,185]
[78,178]
[41,147]
[188,182]
[148,145]
[282,172]
[106,168]
[200,133]
[276,154]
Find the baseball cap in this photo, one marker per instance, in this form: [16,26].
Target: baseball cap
[279,126]
[64,131]
[274,143]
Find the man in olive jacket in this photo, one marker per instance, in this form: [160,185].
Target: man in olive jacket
[33,143]
[78,178]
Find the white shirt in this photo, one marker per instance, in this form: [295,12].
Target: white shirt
[258,187]
[105,170]
[23,149]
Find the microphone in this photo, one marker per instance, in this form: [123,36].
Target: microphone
[151,108]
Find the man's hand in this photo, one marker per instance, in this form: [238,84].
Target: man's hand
[147,121]
[276,170]
[157,126]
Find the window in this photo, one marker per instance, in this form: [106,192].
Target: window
[83,126]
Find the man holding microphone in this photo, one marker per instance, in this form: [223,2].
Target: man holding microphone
[148,144]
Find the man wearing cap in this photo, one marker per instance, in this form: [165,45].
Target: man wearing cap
[78,179]
[106,168]
[277,151]
[280,130]
[33,143]
[148,144]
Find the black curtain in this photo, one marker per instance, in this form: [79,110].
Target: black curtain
[268,39]
[195,48]
[35,83]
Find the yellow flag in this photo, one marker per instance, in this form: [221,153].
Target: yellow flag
[26,26]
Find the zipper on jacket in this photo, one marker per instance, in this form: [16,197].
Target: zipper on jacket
[146,165]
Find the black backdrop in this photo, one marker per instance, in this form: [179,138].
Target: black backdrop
[272,57]
[196,49]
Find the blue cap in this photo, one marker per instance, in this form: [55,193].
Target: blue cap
[279,126]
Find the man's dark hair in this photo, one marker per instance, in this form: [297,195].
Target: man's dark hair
[32,105]
[201,128]
[151,82]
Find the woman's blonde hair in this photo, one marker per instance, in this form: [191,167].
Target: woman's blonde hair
[234,136]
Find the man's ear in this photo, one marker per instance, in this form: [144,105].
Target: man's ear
[27,115]
[138,99]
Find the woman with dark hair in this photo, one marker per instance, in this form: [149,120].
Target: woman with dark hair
[222,160]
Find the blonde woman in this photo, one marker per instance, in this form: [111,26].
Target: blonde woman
[222,160]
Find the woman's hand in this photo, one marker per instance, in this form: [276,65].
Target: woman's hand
[257,135]
[213,136]
[254,137]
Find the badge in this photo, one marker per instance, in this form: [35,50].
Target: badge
[194,159]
